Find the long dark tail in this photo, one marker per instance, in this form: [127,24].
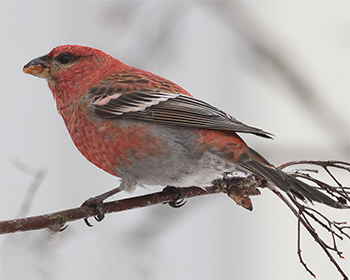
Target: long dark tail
[256,164]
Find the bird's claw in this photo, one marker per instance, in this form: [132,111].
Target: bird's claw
[58,227]
[178,201]
[100,209]
[62,228]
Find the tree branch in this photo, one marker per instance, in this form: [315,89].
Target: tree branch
[238,188]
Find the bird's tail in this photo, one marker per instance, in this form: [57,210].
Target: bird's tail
[256,164]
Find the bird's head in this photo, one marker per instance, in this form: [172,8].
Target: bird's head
[71,70]
[64,62]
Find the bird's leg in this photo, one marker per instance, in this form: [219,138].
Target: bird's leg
[97,202]
[177,202]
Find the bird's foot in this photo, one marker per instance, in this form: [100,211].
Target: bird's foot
[97,203]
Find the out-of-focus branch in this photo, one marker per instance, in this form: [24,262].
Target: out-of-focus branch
[38,175]
[286,62]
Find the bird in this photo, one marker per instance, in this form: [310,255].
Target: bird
[147,130]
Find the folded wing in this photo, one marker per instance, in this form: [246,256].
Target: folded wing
[165,108]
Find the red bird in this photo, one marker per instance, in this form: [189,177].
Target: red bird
[148,130]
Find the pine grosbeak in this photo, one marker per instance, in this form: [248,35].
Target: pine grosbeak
[148,130]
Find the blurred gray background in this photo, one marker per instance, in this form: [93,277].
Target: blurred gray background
[281,66]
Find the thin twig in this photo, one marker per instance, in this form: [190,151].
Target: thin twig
[299,251]
[302,212]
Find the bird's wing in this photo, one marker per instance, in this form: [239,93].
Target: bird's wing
[156,105]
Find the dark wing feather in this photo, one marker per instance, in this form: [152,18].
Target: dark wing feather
[165,108]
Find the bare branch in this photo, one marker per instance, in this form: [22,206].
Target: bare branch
[303,212]
[235,187]
[342,191]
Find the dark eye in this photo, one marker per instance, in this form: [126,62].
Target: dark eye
[65,59]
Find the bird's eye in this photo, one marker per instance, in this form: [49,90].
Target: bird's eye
[65,59]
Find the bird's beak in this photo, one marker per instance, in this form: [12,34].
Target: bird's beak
[39,67]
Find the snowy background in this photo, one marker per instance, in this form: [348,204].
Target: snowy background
[281,66]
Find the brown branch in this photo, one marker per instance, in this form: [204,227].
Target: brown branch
[299,252]
[238,188]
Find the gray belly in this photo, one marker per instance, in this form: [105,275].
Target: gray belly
[183,165]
